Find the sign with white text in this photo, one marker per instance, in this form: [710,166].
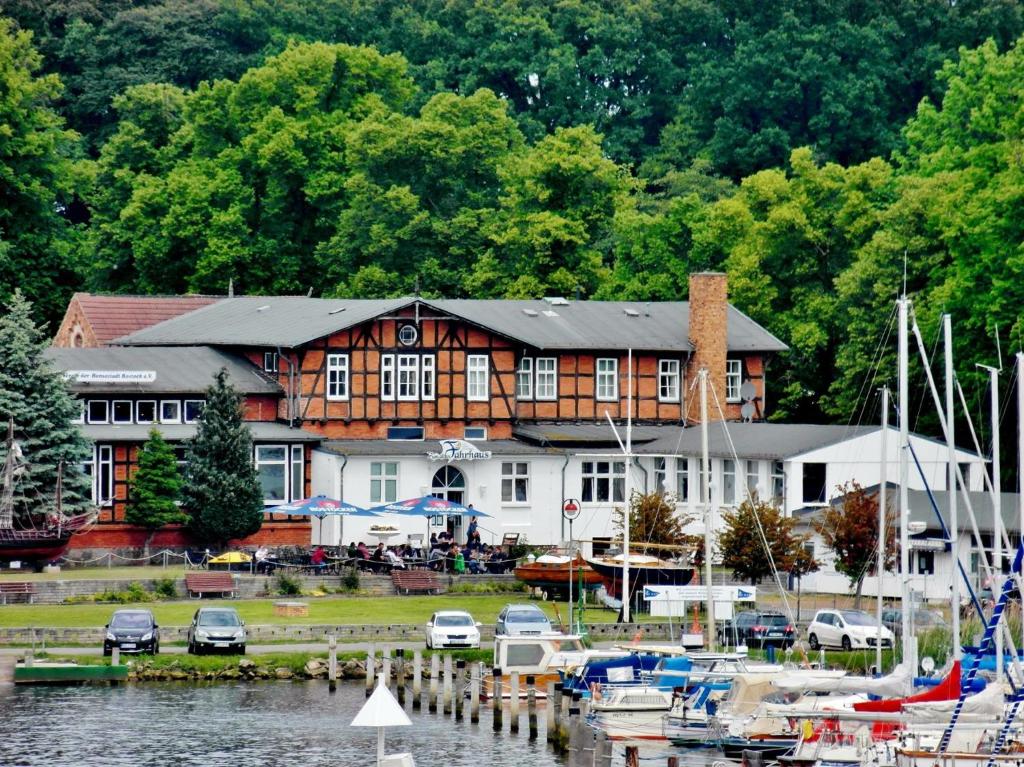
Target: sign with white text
[459,450]
[111,376]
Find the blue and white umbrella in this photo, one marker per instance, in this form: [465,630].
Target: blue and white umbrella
[427,506]
[321,506]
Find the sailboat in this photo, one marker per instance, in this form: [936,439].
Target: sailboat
[33,537]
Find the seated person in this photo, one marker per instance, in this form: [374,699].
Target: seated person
[435,560]
[318,559]
[395,560]
[458,561]
[474,564]
[496,562]
[353,552]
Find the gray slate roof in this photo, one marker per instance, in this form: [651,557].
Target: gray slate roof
[766,441]
[262,431]
[398,447]
[179,370]
[291,321]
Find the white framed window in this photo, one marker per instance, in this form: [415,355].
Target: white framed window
[728,482]
[99,411]
[682,480]
[778,482]
[660,476]
[270,362]
[547,378]
[145,411]
[603,482]
[170,411]
[733,376]
[298,486]
[753,477]
[383,481]
[427,376]
[387,377]
[337,377]
[271,469]
[477,378]
[668,380]
[515,482]
[100,470]
[121,411]
[193,409]
[80,417]
[408,377]
[607,379]
[524,378]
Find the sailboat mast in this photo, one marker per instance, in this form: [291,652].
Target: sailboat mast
[628,489]
[882,488]
[997,512]
[954,543]
[909,643]
[1020,445]
[705,498]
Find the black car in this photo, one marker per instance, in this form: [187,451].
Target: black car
[132,631]
[758,628]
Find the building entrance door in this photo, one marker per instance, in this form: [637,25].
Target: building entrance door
[450,483]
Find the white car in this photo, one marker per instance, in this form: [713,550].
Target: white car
[847,629]
[452,629]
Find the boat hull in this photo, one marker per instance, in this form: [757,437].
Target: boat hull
[555,577]
[33,546]
[640,575]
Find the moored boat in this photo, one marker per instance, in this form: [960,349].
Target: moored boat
[643,570]
[551,573]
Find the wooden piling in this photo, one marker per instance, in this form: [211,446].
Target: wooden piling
[371,669]
[400,662]
[550,711]
[602,750]
[513,713]
[474,693]
[332,663]
[460,688]
[632,756]
[385,671]
[574,730]
[447,685]
[433,694]
[673,761]
[562,742]
[417,680]
[531,705]
[115,656]
[497,701]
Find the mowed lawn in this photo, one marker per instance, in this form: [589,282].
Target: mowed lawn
[322,610]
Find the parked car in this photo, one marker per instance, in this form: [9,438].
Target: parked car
[848,629]
[515,620]
[216,628]
[452,628]
[920,619]
[132,631]
[758,628]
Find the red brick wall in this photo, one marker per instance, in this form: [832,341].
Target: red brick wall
[122,536]
[75,330]
[708,327]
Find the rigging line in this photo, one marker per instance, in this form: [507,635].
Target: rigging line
[872,372]
[934,353]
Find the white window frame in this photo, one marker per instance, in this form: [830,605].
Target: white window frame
[382,475]
[660,475]
[605,379]
[755,475]
[297,482]
[733,379]
[104,491]
[408,378]
[184,410]
[478,378]
[524,379]
[271,362]
[668,381]
[515,472]
[156,411]
[283,462]
[591,473]
[387,377]
[728,472]
[337,377]
[428,377]
[778,470]
[546,388]
[683,472]
[113,408]
[177,404]
[106,409]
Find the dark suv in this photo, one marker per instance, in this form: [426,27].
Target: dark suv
[132,631]
[758,629]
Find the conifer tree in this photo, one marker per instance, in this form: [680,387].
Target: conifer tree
[155,488]
[222,492]
[36,398]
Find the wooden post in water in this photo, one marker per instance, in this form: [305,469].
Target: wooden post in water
[673,761]
[632,756]
[400,660]
[115,656]
[332,663]
[497,701]
[417,680]
[531,705]
[562,743]
[447,685]
[513,713]
[386,667]
[432,693]
[474,693]
[550,711]
[371,669]
[574,734]
[602,750]
[460,688]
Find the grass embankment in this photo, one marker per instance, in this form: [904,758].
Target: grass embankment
[97,573]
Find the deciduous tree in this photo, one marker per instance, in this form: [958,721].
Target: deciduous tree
[741,543]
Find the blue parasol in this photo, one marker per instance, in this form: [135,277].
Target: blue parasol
[427,506]
[321,506]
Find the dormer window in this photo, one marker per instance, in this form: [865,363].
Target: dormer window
[270,362]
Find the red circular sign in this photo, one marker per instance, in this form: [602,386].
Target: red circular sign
[571,508]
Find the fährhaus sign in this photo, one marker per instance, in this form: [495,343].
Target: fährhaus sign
[459,450]
[111,376]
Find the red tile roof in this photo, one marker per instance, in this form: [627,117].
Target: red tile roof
[113,316]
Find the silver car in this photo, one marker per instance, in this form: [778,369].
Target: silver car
[517,620]
[216,628]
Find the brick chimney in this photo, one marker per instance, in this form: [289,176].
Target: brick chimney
[709,304]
